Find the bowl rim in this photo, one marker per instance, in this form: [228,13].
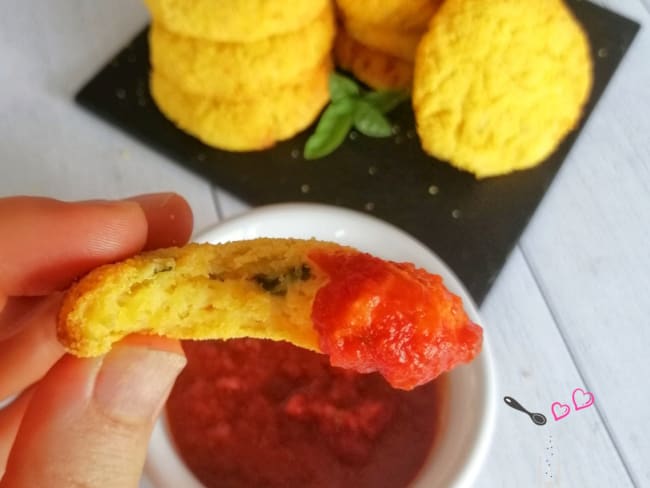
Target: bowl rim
[477,454]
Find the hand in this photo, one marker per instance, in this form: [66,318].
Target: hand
[77,422]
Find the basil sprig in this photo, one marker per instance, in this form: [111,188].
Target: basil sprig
[351,106]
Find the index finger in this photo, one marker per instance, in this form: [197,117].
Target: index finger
[47,243]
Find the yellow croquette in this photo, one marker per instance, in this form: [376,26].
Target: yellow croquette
[245,125]
[376,69]
[241,70]
[498,84]
[234,20]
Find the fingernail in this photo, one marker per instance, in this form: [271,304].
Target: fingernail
[169,219]
[133,382]
[153,200]
[105,202]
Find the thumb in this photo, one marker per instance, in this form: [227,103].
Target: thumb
[89,420]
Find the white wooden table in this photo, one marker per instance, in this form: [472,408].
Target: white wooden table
[571,308]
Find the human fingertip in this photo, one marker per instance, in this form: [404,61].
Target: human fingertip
[133,382]
[169,217]
[151,341]
[153,200]
[121,229]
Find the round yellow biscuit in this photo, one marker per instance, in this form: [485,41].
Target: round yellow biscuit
[234,20]
[394,14]
[499,84]
[240,70]
[374,68]
[245,125]
[399,43]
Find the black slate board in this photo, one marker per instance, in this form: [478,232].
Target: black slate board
[472,225]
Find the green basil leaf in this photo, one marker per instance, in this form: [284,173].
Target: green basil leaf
[385,100]
[332,128]
[369,120]
[342,87]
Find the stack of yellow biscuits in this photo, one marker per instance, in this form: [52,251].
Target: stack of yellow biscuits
[241,75]
[378,39]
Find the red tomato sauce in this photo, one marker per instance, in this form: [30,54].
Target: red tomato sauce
[255,413]
[394,318]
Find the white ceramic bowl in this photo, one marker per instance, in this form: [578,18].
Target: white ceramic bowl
[465,435]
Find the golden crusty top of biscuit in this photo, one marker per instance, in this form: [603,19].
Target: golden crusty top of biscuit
[234,20]
[390,14]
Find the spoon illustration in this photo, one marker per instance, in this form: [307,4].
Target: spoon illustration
[537,418]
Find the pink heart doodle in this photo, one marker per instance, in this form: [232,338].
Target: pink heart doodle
[560,410]
[582,399]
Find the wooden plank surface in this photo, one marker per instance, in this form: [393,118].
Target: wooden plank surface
[588,250]
[534,367]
